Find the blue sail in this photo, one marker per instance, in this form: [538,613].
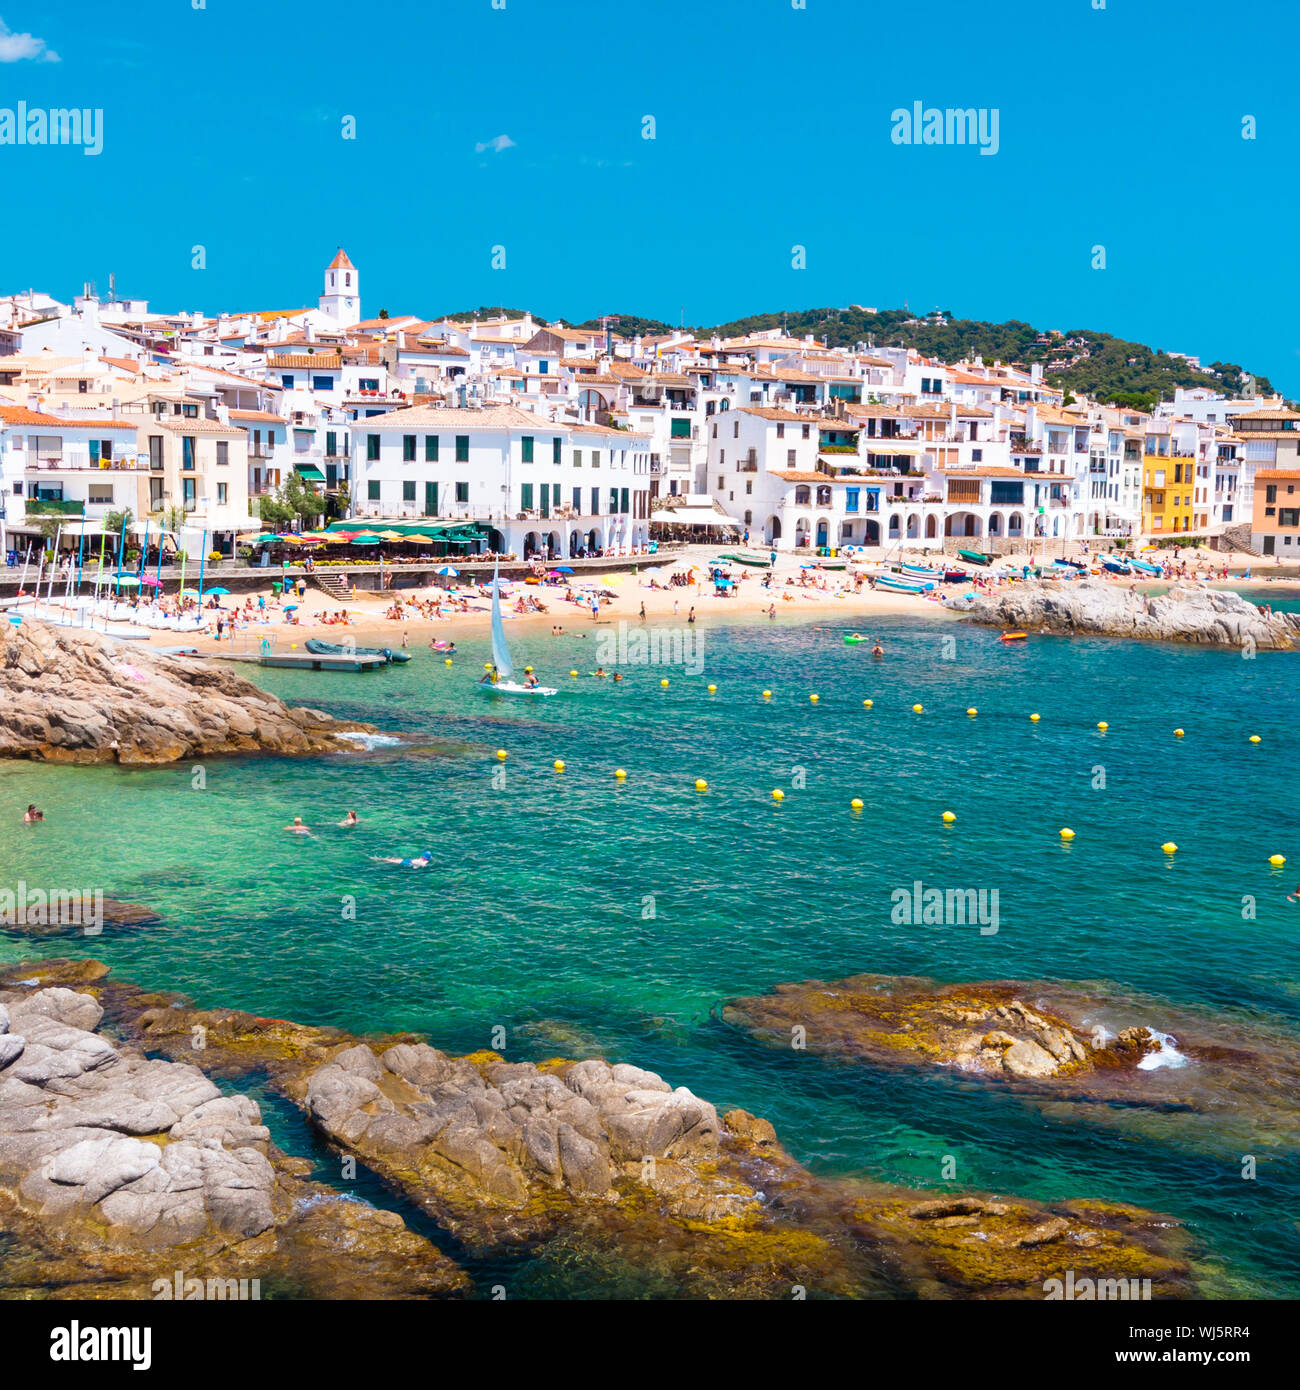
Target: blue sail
[500,652]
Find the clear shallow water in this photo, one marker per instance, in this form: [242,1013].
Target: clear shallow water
[534,917]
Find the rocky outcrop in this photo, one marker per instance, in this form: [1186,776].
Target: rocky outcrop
[1186,613]
[114,1167]
[75,697]
[1127,1062]
[602,1177]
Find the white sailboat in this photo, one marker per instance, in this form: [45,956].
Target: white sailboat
[503,667]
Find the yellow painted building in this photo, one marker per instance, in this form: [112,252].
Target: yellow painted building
[1168,487]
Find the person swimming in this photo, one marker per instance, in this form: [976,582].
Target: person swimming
[298,828]
[420,861]
[32,814]
[877,650]
[350,819]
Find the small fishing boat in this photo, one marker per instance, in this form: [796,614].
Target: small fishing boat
[319,648]
[741,559]
[503,667]
[976,557]
[955,576]
[919,571]
[1116,566]
[902,584]
[1143,567]
[1013,637]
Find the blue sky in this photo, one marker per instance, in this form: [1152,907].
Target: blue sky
[1118,127]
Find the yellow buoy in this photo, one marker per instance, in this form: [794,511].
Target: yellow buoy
[1169,847]
[293,646]
[949,817]
[856,803]
[447,662]
[1178,733]
[1103,726]
[664,681]
[867,704]
[713,690]
[558,765]
[916,709]
[620,774]
[778,794]
[1254,738]
[1034,718]
[972,711]
[814,698]
[1277,860]
[501,755]
[767,694]
[1067,834]
[573,673]
[701,785]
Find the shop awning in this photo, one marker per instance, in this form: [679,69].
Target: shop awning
[891,446]
[309,471]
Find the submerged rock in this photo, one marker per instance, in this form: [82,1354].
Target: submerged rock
[75,697]
[1186,613]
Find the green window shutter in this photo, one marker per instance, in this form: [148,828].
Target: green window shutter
[526,497]
[431,448]
[408,448]
[462,492]
[555,449]
[408,491]
[372,490]
[595,501]
[330,441]
[624,507]
[462,448]
[372,447]
[526,441]
[431,498]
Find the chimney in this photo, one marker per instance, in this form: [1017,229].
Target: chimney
[222,412]
[1031,419]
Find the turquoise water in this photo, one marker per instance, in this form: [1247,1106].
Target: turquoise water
[585,915]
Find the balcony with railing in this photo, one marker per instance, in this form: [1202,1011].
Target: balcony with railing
[82,463]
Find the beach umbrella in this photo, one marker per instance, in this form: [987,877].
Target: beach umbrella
[653,570]
[208,592]
[128,581]
[562,569]
[446,569]
[264,537]
[152,581]
[289,607]
[420,540]
[365,539]
[391,536]
[189,593]
[611,578]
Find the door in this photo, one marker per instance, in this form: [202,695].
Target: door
[431,499]
[1269,542]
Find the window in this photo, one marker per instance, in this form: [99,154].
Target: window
[735,429]
[577,458]
[806,431]
[850,499]
[790,457]
[1288,516]
[577,500]
[526,444]
[462,448]
[977,455]
[101,492]
[223,451]
[331,443]
[372,447]
[187,451]
[780,430]
[595,458]
[223,492]
[681,428]
[188,493]
[155,451]
[372,490]
[322,383]
[555,442]
[368,383]
[408,448]
[595,501]
[462,492]
[1270,493]
[526,496]
[721,482]
[190,412]
[408,490]
[802,496]
[613,499]
[286,380]
[431,448]
[749,487]
[624,507]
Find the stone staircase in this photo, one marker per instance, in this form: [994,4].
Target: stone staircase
[1238,538]
[331,582]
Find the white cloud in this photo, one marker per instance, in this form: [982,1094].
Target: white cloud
[496,144]
[14,48]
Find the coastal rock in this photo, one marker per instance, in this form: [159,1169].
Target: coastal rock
[1186,613]
[606,1175]
[108,1158]
[76,697]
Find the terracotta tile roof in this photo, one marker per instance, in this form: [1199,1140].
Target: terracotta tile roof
[340,261]
[181,425]
[20,415]
[257,415]
[769,412]
[798,477]
[1289,475]
[1276,413]
[330,362]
